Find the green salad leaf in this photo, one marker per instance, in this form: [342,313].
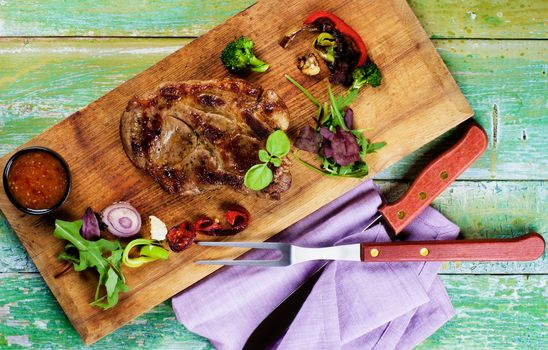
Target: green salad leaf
[102,255]
[331,115]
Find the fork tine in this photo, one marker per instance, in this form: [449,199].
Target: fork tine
[243,262]
[283,248]
[256,245]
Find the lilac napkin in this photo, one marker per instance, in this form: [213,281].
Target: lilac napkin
[352,305]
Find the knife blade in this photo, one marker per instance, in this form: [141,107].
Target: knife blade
[432,181]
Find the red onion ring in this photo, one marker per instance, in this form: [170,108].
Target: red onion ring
[122,219]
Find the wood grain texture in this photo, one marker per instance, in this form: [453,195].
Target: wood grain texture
[45,80]
[442,18]
[493,312]
[524,248]
[412,72]
[435,178]
[509,313]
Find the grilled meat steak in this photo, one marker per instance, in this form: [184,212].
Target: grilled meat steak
[199,135]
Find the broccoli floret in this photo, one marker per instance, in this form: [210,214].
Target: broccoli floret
[368,74]
[238,57]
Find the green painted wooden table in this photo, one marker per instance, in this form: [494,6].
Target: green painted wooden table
[58,56]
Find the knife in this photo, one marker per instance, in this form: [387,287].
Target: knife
[435,178]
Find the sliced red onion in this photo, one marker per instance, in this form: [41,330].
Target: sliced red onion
[122,219]
[90,225]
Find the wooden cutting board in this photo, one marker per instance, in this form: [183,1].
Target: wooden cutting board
[417,101]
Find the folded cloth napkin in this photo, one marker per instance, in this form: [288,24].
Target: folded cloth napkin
[352,305]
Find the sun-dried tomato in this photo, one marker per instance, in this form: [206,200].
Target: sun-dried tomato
[181,237]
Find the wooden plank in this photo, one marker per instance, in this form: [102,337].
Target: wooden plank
[441,19]
[481,209]
[120,18]
[412,72]
[505,83]
[494,19]
[31,317]
[45,80]
[493,312]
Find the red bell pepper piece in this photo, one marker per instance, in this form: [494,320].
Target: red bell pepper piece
[342,27]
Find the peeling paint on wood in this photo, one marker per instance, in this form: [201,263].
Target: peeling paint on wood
[493,312]
[175,18]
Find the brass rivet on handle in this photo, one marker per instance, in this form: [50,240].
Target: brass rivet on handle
[374,252]
[401,214]
[424,252]
[444,175]
[422,196]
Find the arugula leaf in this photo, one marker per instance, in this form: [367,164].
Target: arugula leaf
[102,255]
[331,115]
[303,90]
[373,147]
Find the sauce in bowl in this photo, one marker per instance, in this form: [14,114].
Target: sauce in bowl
[37,180]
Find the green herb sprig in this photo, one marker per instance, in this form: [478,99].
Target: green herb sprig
[102,255]
[331,115]
[260,176]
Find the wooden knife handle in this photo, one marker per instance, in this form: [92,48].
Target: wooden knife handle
[524,248]
[435,178]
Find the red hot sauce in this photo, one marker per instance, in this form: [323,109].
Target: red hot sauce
[37,180]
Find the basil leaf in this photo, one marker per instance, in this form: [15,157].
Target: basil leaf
[276,161]
[264,156]
[258,177]
[277,144]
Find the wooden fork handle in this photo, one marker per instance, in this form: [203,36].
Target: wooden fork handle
[524,248]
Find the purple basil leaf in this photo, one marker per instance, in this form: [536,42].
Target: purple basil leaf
[90,225]
[327,150]
[308,140]
[345,148]
[349,118]
[326,133]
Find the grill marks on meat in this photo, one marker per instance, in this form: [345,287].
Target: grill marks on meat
[199,135]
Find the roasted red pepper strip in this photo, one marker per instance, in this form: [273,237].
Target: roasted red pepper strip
[342,27]
[237,217]
[205,224]
[181,237]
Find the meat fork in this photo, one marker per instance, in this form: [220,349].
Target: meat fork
[524,248]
